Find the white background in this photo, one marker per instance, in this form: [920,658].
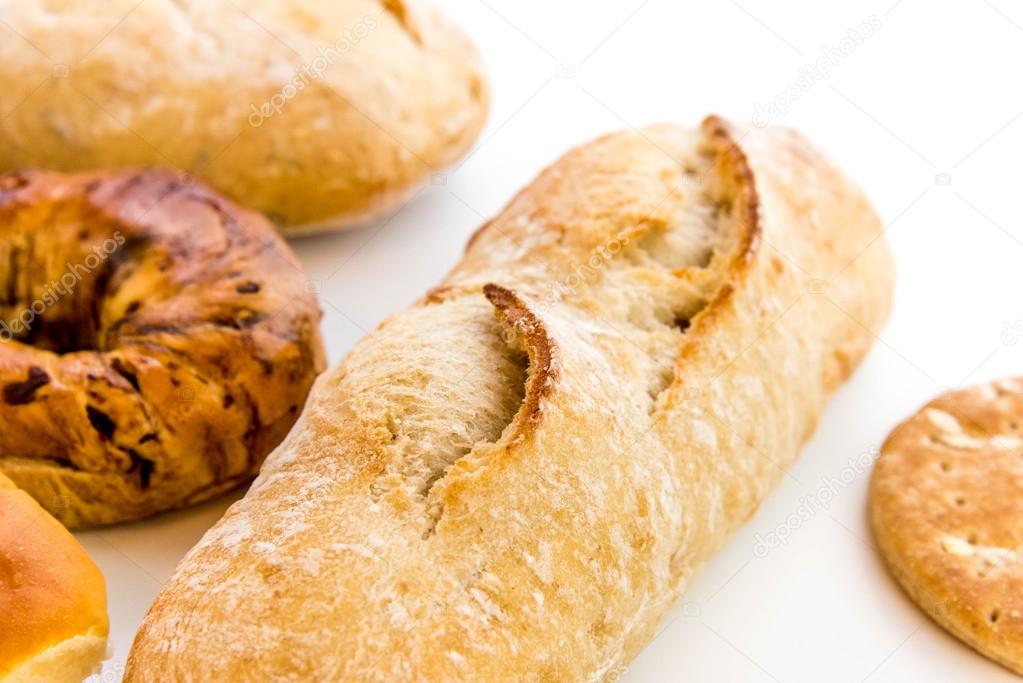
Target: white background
[935,90]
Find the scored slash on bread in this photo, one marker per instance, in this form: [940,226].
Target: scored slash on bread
[543,375]
[515,478]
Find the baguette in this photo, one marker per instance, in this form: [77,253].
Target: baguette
[522,496]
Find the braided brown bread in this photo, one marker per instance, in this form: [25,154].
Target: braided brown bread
[156,342]
[514,479]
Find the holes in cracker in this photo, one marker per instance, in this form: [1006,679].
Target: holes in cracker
[993,615]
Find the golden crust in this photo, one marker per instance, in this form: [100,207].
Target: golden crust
[948,517]
[446,510]
[51,594]
[320,114]
[159,343]
[521,322]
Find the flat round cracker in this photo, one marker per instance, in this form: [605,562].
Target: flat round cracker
[946,505]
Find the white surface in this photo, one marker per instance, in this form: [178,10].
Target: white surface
[934,90]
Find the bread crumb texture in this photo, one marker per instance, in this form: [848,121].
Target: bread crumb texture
[948,516]
[515,478]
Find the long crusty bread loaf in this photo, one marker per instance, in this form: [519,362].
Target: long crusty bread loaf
[522,496]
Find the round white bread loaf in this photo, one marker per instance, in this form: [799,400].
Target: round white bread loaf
[53,618]
[320,114]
